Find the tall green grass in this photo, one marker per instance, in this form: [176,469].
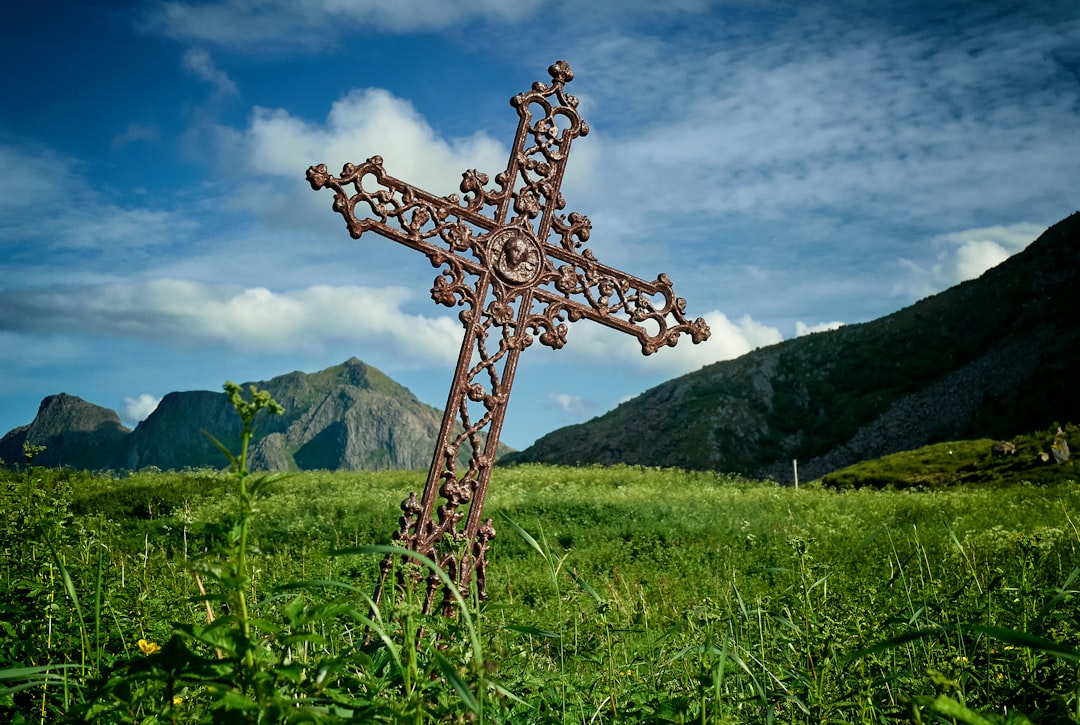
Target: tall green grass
[616,595]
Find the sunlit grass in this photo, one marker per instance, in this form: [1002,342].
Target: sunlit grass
[616,595]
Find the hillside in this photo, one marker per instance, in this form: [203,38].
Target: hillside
[1041,458]
[350,417]
[988,358]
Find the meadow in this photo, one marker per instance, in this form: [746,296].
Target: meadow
[616,595]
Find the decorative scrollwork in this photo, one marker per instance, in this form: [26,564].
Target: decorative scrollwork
[575,227]
[549,327]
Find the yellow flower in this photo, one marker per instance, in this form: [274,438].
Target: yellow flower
[177,700]
[148,648]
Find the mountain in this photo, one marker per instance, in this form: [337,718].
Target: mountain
[350,416]
[74,433]
[987,358]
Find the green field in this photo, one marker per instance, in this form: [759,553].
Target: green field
[616,595]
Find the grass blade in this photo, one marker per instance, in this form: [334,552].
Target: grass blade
[454,678]
[534,631]
[1029,641]
[524,535]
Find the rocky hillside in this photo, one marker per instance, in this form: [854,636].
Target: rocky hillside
[74,433]
[988,358]
[350,416]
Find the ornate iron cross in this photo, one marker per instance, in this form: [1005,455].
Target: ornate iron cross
[530,279]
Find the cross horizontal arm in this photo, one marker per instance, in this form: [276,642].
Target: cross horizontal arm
[624,303]
[405,213]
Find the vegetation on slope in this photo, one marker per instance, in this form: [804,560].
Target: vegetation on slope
[1024,459]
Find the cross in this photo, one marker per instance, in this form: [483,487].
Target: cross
[531,277]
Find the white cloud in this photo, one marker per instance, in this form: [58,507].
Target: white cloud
[729,339]
[187,314]
[139,408]
[271,26]
[572,406]
[366,123]
[199,62]
[801,328]
[965,255]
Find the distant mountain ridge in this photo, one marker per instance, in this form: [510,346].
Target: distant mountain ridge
[350,416]
[990,357]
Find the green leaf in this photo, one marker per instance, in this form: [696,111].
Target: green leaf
[236,701]
[1063,593]
[454,678]
[524,534]
[891,642]
[18,673]
[944,705]
[586,586]
[221,447]
[535,631]
[1029,641]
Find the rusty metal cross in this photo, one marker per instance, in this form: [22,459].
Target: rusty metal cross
[531,277]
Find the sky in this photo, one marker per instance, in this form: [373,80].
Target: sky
[792,166]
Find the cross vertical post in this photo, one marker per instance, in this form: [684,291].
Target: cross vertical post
[519,273]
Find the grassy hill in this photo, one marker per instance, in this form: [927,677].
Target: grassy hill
[969,462]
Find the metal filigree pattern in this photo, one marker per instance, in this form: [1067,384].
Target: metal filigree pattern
[517,269]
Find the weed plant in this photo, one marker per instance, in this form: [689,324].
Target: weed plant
[616,595]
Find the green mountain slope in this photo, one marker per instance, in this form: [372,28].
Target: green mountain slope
[986,358]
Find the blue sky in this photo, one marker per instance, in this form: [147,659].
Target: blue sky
[790,165]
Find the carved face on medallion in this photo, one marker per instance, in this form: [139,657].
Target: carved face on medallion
[514,256]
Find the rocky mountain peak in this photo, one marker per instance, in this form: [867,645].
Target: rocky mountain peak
[70,429]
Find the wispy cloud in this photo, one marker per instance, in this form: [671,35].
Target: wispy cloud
[135,133]
[273,26]
[572,408]
[35,351]
[829,115]
[32,224]
[199,62]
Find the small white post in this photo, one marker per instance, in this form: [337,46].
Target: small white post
[795,465]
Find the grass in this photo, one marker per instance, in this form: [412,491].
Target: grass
[617,594]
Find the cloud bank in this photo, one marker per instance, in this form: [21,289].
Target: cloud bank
[184,314]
